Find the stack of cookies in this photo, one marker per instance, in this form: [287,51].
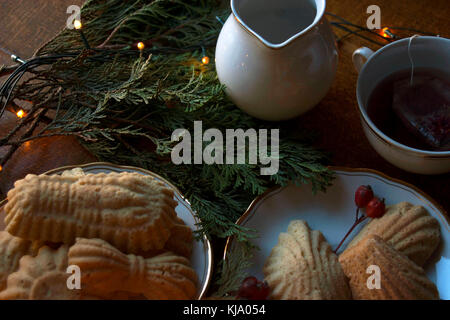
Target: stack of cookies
[399,244]
[302,265]
[120,229]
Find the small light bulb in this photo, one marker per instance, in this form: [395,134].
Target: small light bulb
[20,113]
[1,168]
[205,60]
[141,46]
[386,32]
[77,24]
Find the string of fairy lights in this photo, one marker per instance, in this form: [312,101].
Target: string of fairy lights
[383,35]
[96,54]
[27,65]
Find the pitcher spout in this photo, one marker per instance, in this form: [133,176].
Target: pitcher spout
[278,23]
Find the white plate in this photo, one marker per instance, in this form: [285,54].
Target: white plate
[333,213]
[201,259]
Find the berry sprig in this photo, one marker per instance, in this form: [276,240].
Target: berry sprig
[253,289]
[375,208]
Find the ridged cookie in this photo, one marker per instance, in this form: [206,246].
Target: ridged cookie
[11,250]
[105,269]
[132,211]
[400,278]
[302,266]
[42,277]
[75,172]
[180,241]
[409,229]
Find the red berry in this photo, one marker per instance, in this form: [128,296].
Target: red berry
[375,208]
[252,289]
[261,293]
[247,287]
[363,195]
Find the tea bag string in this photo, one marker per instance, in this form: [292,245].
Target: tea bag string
[410,57]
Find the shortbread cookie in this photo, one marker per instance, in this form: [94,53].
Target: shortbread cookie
[180,242]
[400,278]
[181,239]
[302,266]
[42,277]
[105,269]
[75,172]
[11,250]
[132,211]
[409,229]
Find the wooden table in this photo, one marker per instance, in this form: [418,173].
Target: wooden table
[25,25]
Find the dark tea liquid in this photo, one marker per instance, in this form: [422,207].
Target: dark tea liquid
[380,109]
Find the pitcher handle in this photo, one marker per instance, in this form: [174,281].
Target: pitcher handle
[360,56]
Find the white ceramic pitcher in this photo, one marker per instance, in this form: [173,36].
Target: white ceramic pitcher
[277,58]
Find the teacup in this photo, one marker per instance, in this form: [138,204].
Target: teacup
[373,67]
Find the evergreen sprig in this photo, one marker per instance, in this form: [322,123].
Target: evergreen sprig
[233,270]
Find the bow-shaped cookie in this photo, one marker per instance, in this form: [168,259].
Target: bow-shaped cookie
[105,270]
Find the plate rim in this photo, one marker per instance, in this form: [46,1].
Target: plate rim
[197,219]
[441,211]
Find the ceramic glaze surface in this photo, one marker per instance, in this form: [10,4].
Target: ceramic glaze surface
[273,23]
[277,59]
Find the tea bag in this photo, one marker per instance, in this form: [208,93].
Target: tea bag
[423,105]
